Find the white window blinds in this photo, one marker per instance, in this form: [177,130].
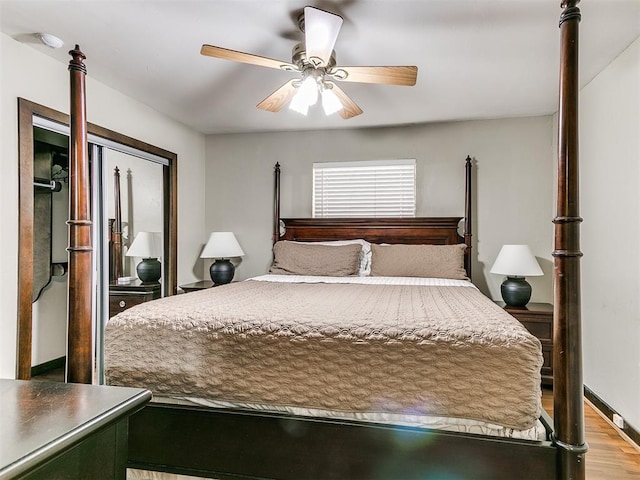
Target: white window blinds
[377,188]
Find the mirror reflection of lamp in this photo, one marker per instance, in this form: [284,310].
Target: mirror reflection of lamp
[222,246]
[148,246]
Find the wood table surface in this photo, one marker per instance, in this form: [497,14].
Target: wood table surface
[41,420]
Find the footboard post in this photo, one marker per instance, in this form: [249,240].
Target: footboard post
[79,334]
[567,355]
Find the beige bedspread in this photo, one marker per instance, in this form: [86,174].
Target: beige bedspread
[446,351]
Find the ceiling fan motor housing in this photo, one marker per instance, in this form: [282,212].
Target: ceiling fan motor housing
[299,58]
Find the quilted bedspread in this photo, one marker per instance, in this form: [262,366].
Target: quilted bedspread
[425,350]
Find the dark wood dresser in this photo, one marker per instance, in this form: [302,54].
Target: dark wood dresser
[123,296]
[53,430]
[538,319]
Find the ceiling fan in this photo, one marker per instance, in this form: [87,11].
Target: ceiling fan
[315,61]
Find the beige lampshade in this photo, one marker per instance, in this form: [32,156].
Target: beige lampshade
[222,245]
[146,245]
[516,260]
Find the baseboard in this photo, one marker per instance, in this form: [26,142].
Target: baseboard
[48,366]
[628,430]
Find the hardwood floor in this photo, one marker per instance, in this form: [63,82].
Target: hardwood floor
[610,457]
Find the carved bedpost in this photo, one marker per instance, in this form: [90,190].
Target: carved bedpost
[80,328]
[117,228]
[567,355]
[276,204]
[467,215]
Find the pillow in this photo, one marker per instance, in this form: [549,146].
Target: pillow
[291,258]
[434,261]
[364,269]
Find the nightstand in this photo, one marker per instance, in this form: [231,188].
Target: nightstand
[123,296]
[200,285]
[538,319]
[195,286]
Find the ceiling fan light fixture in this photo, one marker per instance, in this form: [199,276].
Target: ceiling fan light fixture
[309,90]
[330,102]
[298,104]
[321,31]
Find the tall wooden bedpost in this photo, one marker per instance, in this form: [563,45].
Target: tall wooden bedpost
[116,234]
[276,204]
[567,356]
[80,329]
[467,214]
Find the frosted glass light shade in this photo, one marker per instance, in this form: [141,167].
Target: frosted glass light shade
[146,245]
[516,260]
[309,90]
[222,245]
[299,105]
[330,102]
[306,96]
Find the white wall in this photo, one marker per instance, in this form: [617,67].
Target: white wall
[513,187]
[49,322]
[610,191]
[24,72]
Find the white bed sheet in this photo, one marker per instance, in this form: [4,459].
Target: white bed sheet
[366,280]
[462,425]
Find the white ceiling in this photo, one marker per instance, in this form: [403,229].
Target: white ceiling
[475,58]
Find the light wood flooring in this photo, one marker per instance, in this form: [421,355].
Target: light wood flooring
[610,457]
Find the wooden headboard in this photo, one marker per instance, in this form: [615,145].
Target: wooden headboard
[407,230]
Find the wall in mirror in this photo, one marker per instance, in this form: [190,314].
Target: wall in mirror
[141,204]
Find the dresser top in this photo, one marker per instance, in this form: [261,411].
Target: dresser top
[39,419]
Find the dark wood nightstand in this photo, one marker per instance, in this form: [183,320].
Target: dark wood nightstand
[123,296]
[195,286]
[200,285]
[65,430]
[538,319]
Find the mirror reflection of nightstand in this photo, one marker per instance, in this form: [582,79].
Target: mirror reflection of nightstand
[126,295]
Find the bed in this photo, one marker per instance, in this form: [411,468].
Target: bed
[399,340]
[244,443]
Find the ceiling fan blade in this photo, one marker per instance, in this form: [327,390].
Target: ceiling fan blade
[321,31]
[235,56]
[385,75]
[279,98]
[349,107]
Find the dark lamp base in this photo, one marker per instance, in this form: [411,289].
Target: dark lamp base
[149,270]
[222,271]
[516,291]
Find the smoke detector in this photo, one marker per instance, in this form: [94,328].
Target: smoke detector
[49,40]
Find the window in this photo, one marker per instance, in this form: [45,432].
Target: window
[377,188]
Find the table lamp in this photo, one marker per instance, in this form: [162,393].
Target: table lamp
[148,246]
[222,246]
[516,262]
